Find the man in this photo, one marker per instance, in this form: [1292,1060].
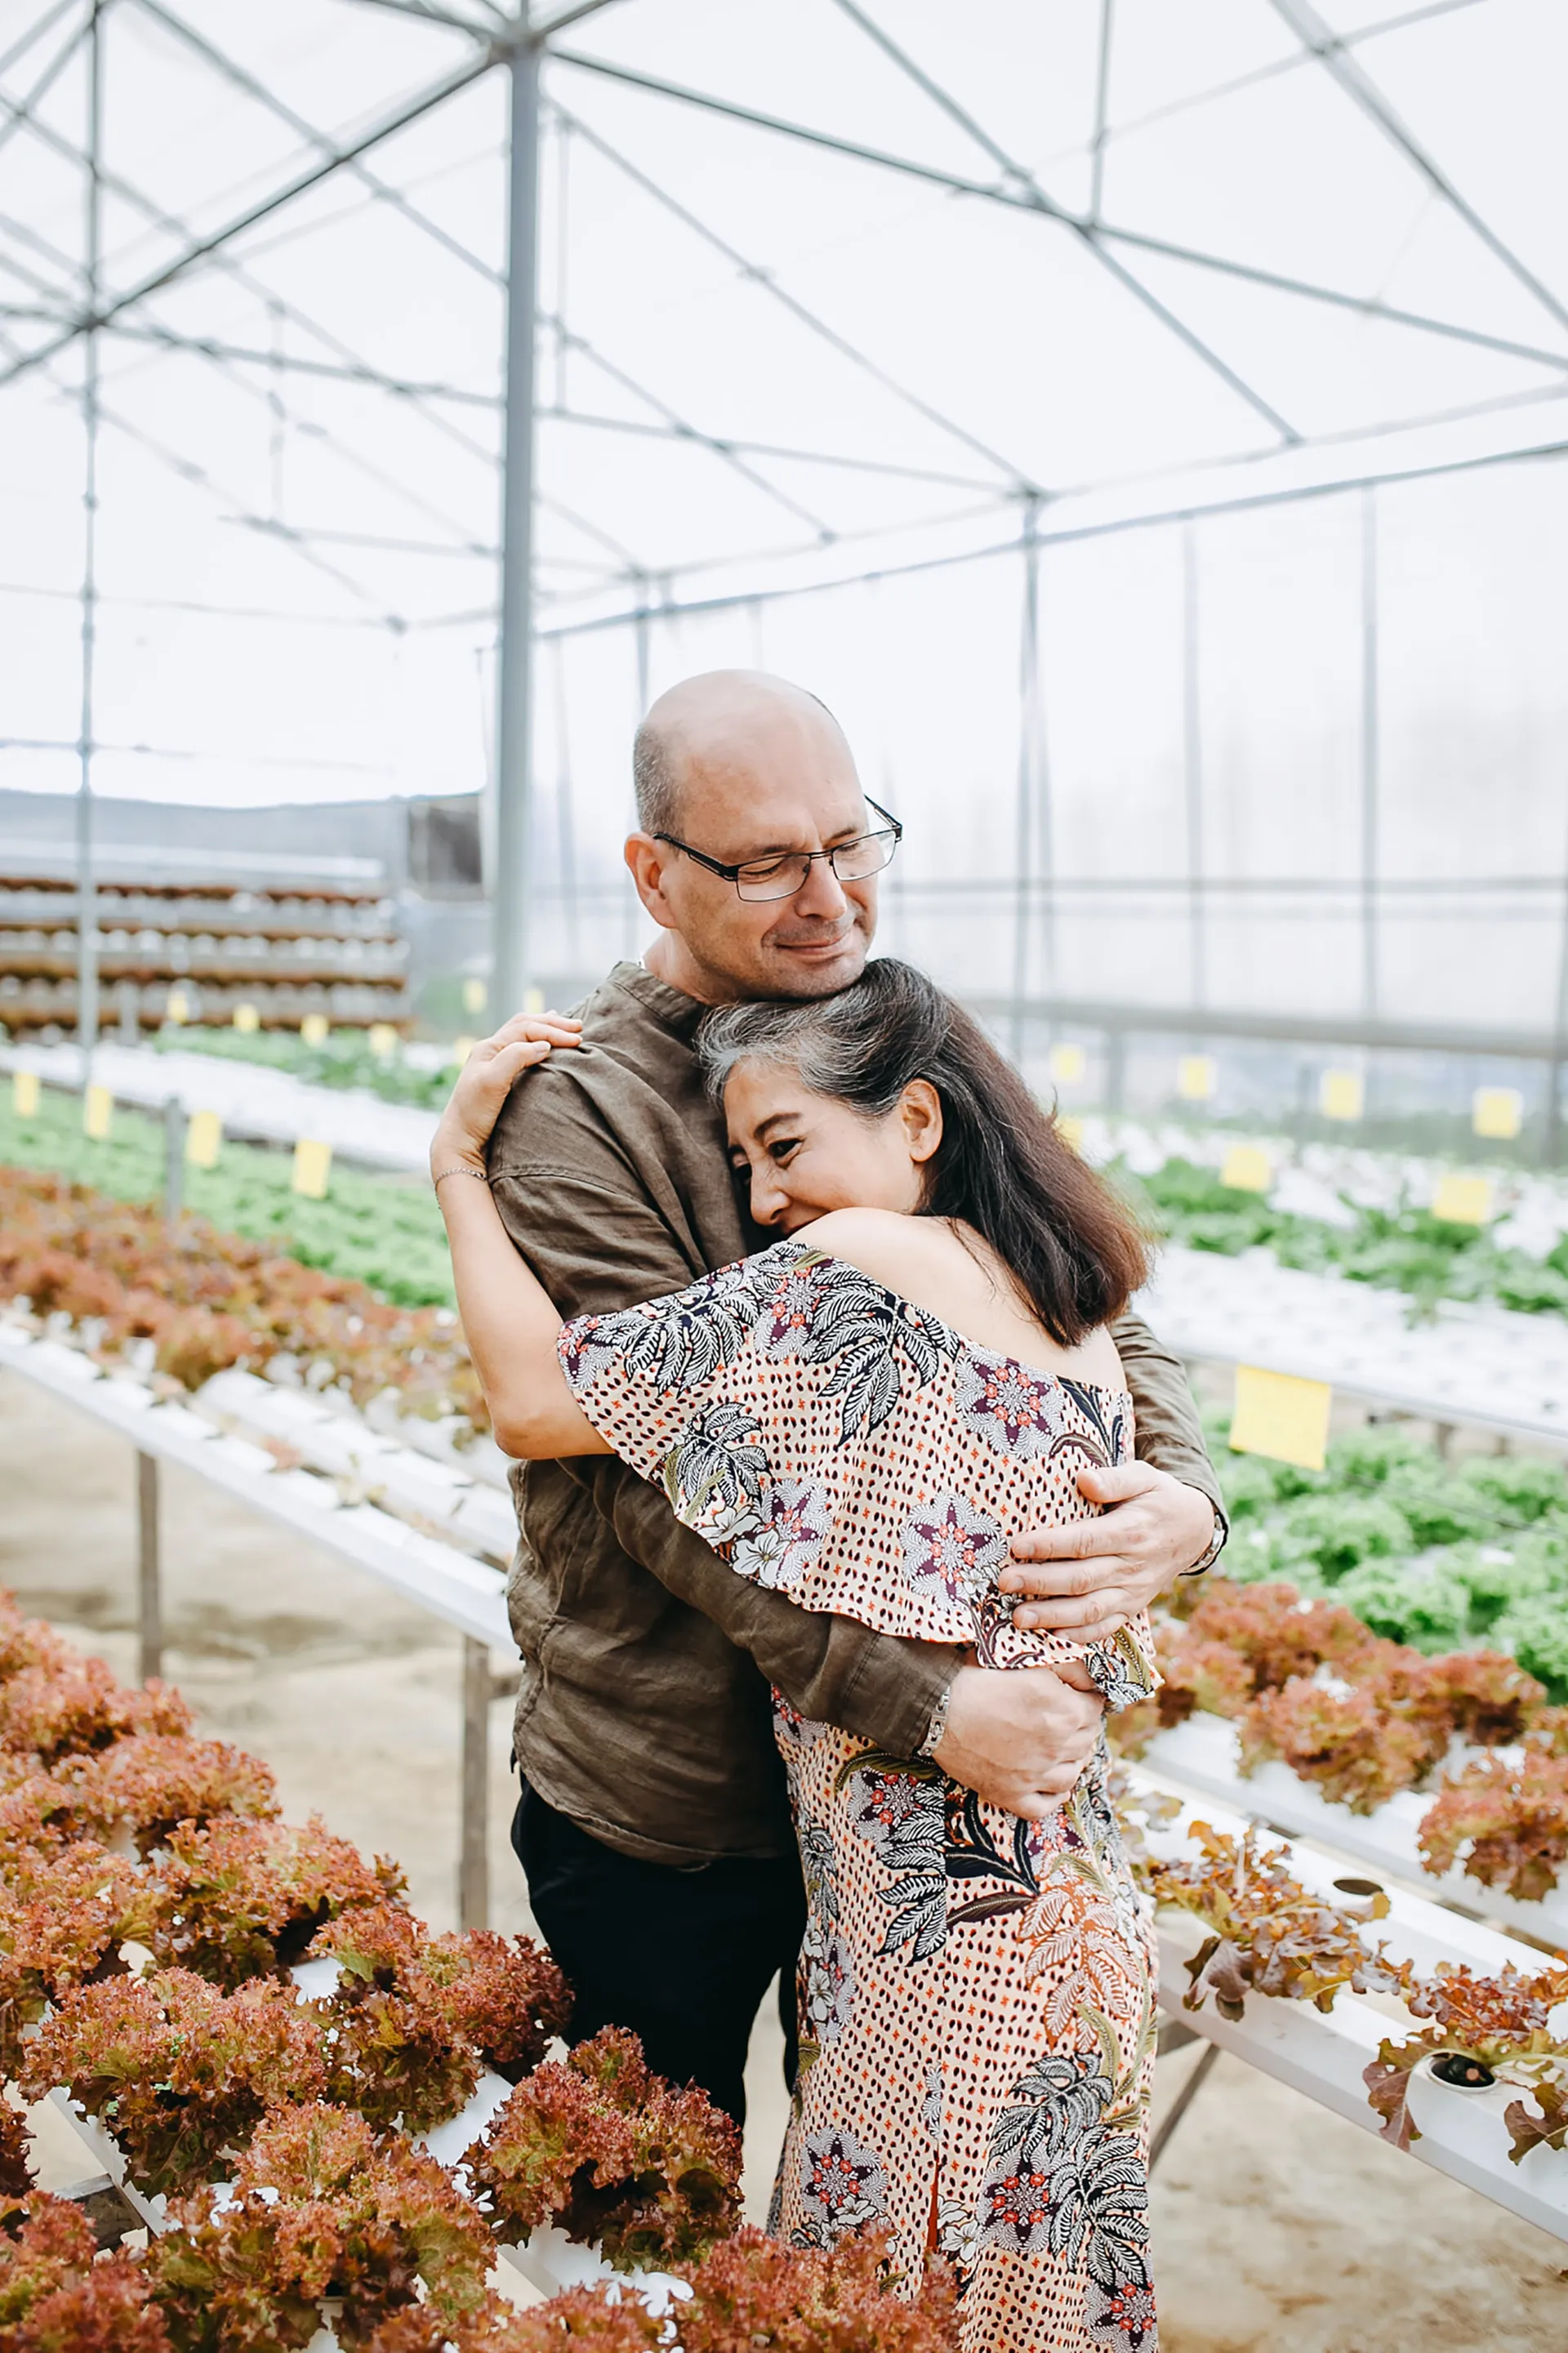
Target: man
[653,1826]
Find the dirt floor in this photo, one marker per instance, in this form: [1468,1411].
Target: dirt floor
[1276,2225]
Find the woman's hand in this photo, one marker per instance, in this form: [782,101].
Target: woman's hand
[487,1078]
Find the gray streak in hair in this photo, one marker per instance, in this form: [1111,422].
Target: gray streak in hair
[1003,1166]
[834,1057]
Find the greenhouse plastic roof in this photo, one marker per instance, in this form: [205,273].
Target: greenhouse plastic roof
[826,285]
[834,291]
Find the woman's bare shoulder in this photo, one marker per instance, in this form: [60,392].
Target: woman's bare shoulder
[891,1248]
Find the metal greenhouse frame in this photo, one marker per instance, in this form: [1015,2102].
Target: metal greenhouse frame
[69,304]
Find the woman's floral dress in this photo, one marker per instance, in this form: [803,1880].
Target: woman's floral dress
[976,1992]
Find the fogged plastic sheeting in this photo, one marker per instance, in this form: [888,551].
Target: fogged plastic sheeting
[1175,278]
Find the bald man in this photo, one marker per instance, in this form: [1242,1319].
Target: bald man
[653,1825]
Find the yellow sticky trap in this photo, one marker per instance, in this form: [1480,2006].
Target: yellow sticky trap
[246,1020]
[476,995]
[1196,1078]
[313,1168]
[1066,1065]
[382,1040]
[1497,1112]
[1281,1417]
[204,1139]
[1246,1169]
[25,1094]
[179,1007]
[1340,1094]
[96,1112]
[1070,1130]
[461,1049]
[313,1029]
[1463,1200]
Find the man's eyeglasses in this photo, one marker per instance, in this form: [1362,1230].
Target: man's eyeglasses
[787,871]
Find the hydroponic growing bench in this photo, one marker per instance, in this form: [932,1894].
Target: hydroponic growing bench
[1323,2052]
[464,1592]
[1468,1366]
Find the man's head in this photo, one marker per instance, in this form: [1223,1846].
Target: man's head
[740,766]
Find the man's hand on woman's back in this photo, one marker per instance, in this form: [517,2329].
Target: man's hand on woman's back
[1087,1578]
[1020,1738]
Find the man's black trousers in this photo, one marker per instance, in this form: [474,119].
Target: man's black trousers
[681,1958]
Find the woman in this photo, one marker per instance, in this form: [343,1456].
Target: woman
[860,1415]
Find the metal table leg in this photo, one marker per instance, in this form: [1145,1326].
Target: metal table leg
[149,1568]
[473,1865]
[1181,2104]
[480,1689]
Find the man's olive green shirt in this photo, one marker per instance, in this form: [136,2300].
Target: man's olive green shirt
[645,1712]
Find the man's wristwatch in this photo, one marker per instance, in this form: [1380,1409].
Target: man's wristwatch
[1214,1547]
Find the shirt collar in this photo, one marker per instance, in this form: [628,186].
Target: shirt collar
[670,1007]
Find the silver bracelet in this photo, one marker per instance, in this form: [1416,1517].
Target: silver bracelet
[937,1727]
[459,1171]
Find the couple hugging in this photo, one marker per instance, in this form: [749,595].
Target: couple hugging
[810,1334]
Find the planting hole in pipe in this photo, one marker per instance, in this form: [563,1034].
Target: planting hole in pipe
[1456,2067]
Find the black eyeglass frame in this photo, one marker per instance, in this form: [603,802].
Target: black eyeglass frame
[732,874]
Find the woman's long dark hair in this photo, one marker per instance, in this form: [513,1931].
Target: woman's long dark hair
[1003,1164]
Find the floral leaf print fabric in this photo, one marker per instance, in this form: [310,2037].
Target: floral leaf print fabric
[793,1531]
[976,1991]
[904,1816]
[833,1440]
[826,1970]
[875,1342]
[1121,1667]
[843,2188]
[696,1336]
[1063,2095]
[952,1552]
[1019,1412]
[716,1477]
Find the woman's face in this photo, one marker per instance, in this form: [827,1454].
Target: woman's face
[805,1154]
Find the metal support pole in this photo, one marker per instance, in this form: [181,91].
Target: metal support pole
[473,1867]
[631,906]
[1193,768]
[1552,1109]
[1552,1117]
[514,684]
[148,1569]
[566,816]
[1369,747]
[1181,2104]
[1102,107]
[173,1162]
[277,410]
[1028,769]
[85,895]
[1116,1069]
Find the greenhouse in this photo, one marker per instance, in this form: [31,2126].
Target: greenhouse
[521,1820]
